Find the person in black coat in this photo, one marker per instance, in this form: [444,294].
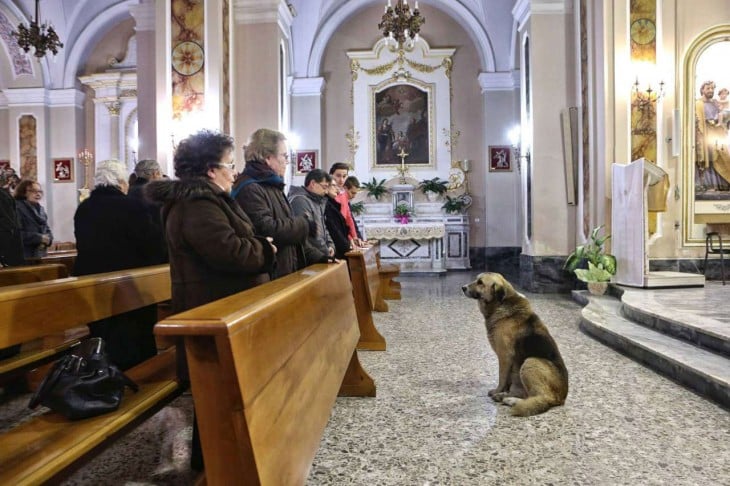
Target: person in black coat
[11,245]
[144,172]
[115,232]
[34,229]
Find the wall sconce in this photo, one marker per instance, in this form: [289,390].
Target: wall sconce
[648,95]
[516,143]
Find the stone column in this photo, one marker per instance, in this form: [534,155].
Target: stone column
[144,16]
[546,27]
[257,36]
[113,107]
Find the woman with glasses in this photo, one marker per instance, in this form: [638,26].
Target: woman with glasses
[260,192]
[34,229]
[213,247]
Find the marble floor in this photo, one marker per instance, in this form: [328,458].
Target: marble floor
[433,424]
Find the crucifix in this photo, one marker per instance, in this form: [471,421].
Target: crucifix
[403,169]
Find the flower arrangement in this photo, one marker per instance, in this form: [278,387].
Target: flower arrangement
[403,212]
[601,265]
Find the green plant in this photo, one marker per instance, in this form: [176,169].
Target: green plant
[375,188]
[453,204]
[357,208]
[601,265]
[433,185]
[402,209]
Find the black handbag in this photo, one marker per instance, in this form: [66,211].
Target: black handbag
[83,384]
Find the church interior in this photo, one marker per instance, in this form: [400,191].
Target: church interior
[547,125]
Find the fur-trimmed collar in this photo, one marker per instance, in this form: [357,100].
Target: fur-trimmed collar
[167,191]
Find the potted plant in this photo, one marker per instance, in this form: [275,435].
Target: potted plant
[376,189]
[357,208]
[433,188]
[403,212]
[601,265]
[453,205]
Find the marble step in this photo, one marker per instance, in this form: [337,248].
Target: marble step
[703,371]
[691,323]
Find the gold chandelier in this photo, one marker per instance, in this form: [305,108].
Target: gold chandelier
[38,38]
[401,24]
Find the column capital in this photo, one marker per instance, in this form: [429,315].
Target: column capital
[114,107]
[501,81]
[307,86]
[258,12]
[144,16]
[523,9]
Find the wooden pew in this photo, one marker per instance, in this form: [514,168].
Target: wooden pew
[389,289]
[48,446]
[265,367]
[31,273]
[64,257]
[365,283]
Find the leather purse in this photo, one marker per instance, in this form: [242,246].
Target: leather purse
[83,384]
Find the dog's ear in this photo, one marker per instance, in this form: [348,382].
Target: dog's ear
[497,292]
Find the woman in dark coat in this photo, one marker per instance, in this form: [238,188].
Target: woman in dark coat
[114,232]
[34,229]
[213,249]
[260,192]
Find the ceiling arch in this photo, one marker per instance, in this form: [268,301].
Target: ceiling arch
[454,9]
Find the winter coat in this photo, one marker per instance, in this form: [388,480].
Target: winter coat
[312,207]
[337,228]
[33,225]
[114,232]
[136,191]
[11,246]
[260,192]
[213,249]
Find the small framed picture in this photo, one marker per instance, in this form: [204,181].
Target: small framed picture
[4,164]
[306,160]
[63,170]
[500,158]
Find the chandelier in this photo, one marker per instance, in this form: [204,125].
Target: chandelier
[401,25]
[38,38]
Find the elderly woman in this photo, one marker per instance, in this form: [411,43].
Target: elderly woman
[115,232]
[34,229]
[260,192]
[213,248]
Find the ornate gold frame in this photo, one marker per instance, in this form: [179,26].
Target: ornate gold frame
[720,33]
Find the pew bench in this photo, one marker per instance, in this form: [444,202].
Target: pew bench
[365,288]
[266,366]
[389,289]
[48,447]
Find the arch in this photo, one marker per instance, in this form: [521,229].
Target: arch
[90,35]
[42,63]
[454,9]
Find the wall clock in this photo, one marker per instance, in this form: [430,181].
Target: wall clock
[643,31]
[187,58]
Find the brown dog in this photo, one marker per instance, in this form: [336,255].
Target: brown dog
[532,375]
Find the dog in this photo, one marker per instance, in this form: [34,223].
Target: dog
[532,375]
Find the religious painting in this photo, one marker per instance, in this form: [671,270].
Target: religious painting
[306,160]
[4,164]
[402,125]
[500,158]
[711,133]
[63,170]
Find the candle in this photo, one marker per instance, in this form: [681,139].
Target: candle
[416,4]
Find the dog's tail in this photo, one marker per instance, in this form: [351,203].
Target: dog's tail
[532,406]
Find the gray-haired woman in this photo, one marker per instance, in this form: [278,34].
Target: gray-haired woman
[115,232]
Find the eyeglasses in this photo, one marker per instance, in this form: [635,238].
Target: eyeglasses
[324,186]
[36,192]
[286,155]
[231,166]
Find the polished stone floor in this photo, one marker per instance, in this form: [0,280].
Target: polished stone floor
[432,422]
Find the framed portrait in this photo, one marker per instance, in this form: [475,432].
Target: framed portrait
[402,125]
[4,164]
[305,161]
[400,197]
[500,158]
[63,170]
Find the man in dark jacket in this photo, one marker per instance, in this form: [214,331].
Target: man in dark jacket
[310,201]
[145,171]
[260,192]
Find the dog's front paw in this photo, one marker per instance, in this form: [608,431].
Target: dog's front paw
[498,397]
[511,401]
